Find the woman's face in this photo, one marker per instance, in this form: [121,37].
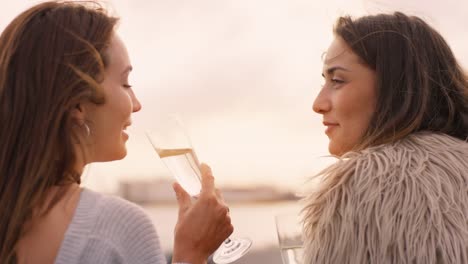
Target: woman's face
[107,122]
[347,99]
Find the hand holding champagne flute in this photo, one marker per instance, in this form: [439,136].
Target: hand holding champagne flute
[174,148]
[203,224]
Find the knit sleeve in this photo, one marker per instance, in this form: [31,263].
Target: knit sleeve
[130,233]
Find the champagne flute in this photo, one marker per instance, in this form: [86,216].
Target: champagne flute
[173,146]
[290,238]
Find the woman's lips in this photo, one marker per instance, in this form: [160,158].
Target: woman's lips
[330,126]
[124,133]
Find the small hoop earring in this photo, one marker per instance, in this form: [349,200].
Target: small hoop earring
[88,131]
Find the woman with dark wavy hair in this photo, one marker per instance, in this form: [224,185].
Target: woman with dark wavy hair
[65,101]
[395,107]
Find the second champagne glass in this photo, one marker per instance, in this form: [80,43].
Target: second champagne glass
[171,142]
[289,231]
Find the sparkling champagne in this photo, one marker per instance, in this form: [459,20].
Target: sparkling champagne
[183,164]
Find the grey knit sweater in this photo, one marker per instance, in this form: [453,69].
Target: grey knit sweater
[108,229]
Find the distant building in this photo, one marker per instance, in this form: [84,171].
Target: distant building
[160,191]
[256,194]
[147,191]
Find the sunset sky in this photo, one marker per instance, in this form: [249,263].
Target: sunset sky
[243,75]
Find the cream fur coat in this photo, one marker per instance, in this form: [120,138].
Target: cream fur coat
[405,202]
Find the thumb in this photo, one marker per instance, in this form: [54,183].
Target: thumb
[183,198]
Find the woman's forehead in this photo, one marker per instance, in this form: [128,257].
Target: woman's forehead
[339,51]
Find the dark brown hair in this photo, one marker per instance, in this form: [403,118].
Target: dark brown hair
[51,60]
[420,85]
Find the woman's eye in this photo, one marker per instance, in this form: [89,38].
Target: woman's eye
[127,86]
[333,81]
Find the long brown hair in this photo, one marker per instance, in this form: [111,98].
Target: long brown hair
[52,58]
[420,85]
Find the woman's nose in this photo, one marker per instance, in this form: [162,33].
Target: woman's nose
[322,103]
[136,103]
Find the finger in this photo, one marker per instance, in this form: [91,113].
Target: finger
[219,194]
[183,198]
[227,219]
[229,230]
[207,178]
[223,211]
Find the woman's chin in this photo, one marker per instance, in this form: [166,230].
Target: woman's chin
[117,155]
[335,149]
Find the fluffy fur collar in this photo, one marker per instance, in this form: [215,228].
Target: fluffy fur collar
[405,202]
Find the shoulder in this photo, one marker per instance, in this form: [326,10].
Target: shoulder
[407,155]
[105,212]
[113,228]
[116,211]
[407,170]
[416,145]
[124,223]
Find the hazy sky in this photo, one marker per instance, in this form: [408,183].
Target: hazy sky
[243,74]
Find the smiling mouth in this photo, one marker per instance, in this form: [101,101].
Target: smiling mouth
[126,126]
[330,126]
[125,129]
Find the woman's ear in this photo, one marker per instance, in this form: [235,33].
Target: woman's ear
[78,114]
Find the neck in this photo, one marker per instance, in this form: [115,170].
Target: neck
[82,156]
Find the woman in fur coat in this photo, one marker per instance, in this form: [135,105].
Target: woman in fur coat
[395,106]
